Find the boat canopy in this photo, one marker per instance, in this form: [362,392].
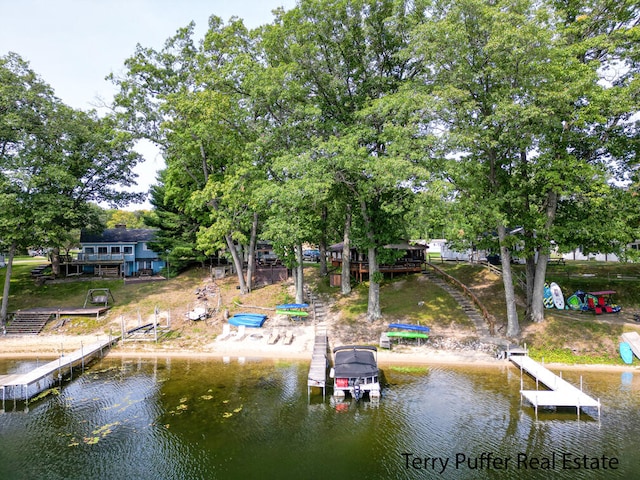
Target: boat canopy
[354,361]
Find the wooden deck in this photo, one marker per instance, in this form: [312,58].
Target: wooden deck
[27,385]
[318,370]
[561,393]
[58,311]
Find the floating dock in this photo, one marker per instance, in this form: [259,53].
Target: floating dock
[318,370]
[560,394]
[27,385]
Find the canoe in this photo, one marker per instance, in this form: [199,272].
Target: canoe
[625,353]
[410,326]
[407,335]
[292,306]
[251,315]
[251,322]
[293,313]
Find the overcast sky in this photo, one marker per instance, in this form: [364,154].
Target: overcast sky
[74,44]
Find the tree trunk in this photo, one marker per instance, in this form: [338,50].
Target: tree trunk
[54,256]
[345,280]
[513,326]
[7,283]
[322,244]
[537,299]
[530,286]
[238,263]
[373,306]
[251,257]
[300,275]
[537,306]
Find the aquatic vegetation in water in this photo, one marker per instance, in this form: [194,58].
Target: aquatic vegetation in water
[97,435]
[407,369]
[46,393]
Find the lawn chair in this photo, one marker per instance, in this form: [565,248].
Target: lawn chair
[592,306]
[603,306]
[241,333]
[274,337]
[288,337]
[226,332]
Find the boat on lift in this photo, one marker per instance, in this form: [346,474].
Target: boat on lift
[355,372]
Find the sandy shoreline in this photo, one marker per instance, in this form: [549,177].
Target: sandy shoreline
[51,346]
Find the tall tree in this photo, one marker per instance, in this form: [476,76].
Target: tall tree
[344,56]
[55,162]
[515,103]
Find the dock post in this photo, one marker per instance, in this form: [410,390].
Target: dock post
[82,355]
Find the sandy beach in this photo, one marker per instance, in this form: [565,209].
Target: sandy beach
[255,345]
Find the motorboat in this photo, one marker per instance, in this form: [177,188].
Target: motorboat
[355,372]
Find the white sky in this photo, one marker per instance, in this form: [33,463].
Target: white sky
[74,44]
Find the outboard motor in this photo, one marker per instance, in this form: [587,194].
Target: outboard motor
[357,393]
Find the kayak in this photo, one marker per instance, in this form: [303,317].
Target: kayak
[407,335]
[293,313]
[292,306]
[410,326]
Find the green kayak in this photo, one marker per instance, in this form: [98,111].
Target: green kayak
[293,313]
[407,335]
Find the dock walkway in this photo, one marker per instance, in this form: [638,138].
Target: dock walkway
[318,370]
[561,393]
[27,385]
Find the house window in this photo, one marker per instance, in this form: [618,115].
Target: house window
[145,247]
[102,250]
[89,250]
[115,249]
[128,250]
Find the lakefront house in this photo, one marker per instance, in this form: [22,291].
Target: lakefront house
[120,252]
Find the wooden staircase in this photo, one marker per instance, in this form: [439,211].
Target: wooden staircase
[26,323]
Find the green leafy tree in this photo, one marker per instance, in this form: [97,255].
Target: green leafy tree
[342,58]
[55,163]
[518,108]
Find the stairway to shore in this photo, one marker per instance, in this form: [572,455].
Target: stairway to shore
[26,323]
[468,307]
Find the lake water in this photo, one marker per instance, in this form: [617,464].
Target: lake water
[207,419]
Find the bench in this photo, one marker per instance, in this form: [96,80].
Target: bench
[556,261]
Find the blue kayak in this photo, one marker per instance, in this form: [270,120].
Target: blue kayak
[292,306]
[410,326]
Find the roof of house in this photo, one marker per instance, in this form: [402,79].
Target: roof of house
[119,235]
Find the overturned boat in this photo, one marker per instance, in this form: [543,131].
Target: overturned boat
[355,372]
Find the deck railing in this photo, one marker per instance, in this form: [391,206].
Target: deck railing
[100,257]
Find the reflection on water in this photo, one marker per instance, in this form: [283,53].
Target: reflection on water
[189,419]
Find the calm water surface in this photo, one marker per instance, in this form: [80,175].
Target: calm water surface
[191,419]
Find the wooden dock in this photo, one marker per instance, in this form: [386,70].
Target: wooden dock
[28,385]
[560,394]
[318,370]
[633,339]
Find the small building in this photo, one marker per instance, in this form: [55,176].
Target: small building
[412,261]
[119,252]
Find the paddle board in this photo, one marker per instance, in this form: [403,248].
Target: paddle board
[625,353]
[548,298]
[558,297]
